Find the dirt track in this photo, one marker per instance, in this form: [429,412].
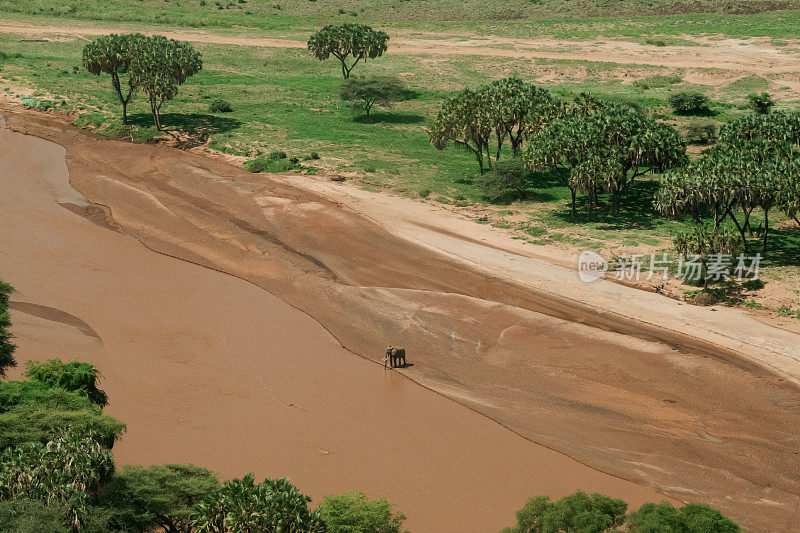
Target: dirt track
[694,424]
[753,56]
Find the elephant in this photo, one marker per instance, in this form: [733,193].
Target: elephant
[394,356]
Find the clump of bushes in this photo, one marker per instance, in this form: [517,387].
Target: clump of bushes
[220,106]
[276,161]
[597,513]
[690,103]
[5,55]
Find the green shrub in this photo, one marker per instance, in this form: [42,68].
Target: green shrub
[277,154]
[220,106]
[74,376]
[701,132]
[31,411]
[760,103]
[689,103]
[507,181]
[691,518]
[266,164]
[345,513]
[424,193]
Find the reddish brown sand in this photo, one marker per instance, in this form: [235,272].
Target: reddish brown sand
[209,369]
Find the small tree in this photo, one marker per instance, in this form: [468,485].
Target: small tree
[365,93]
[351,512]
[113,54]
[518,110]
[349,43]
[6,346]
[159,66]
[689,103]
[761,103]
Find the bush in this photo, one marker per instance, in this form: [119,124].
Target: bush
[506,181]
[354,512]
[701,132]
[761,103]
[593,513]
[689,103]
[277,154]
[268,164]
[220,106]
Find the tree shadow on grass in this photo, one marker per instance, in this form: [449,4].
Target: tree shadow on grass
[187,122]
[783,246]
[390,118]
[189,129]
[636,209]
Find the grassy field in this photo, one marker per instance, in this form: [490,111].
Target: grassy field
[284,99]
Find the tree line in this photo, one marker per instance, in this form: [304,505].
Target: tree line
[590,144]
[595,146]
[756,166]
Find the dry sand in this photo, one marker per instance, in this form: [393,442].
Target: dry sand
[207,354]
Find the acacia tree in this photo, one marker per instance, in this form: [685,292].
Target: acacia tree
[349,43]
[159,66]
[159,496]
[608,147]
[113,54]
[365,93]
[466,120]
